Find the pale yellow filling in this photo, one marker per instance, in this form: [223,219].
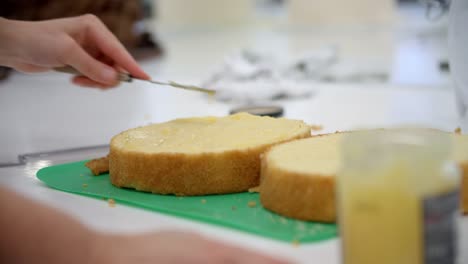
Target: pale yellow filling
[210,134]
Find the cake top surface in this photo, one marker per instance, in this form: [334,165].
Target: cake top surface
[210,134]
[318,155]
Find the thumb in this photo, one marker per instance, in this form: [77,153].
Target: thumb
[79,59]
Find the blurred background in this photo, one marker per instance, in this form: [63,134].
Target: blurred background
[281,52]
[402,41]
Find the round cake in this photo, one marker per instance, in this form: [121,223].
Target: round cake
[198,156]
[298,178]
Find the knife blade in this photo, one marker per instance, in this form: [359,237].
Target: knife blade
[126,77]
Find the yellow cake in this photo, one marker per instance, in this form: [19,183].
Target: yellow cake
[298,177]
[198,156]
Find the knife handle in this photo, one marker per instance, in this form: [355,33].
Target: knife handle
[122,76]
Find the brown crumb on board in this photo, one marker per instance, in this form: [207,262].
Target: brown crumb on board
[254,189]
[111,202]
[295,243]
[316,127]
[85,185]
[233,208]
[457,130]
[203,201]
[252,204]
[98,166]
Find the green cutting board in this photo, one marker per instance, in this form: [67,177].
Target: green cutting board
[241,211]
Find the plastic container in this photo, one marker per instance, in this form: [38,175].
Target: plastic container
[458,56]
[398,198]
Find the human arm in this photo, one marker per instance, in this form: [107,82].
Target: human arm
[34,233]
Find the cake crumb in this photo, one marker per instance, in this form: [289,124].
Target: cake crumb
[283,220]
[252,204]
[316,127]
[457,130]
[85,185]
[254,189]
[301,227]
[318,227]
[111,202]
[295,243]
[272,218]
[233,208]
[203,201]
[98,166]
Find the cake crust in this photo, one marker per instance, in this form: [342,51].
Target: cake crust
[186,174]
[306,197]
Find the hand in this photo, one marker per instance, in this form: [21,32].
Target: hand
[81,42]
[171,247]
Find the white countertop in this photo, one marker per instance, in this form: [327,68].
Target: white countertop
[336,107]
[45,112]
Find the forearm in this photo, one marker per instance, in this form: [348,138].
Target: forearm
[33,233]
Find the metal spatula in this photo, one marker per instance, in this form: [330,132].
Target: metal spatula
[126,77]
